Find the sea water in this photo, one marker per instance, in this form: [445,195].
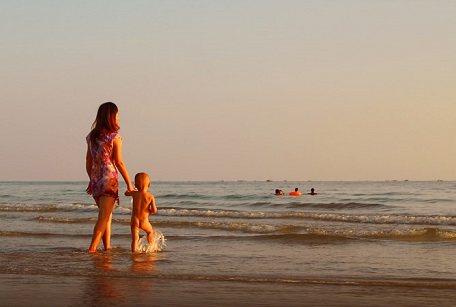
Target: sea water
[380,242]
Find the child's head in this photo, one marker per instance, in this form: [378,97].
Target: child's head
[142,181]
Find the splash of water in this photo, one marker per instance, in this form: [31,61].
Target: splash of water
[158,242]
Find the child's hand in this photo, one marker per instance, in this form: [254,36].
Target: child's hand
[152,210]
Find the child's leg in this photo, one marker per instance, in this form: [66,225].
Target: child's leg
[134,237]
[147,227]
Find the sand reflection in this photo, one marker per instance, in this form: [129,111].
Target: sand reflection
[104,287]
[103,261]
[144,262]
[118,278]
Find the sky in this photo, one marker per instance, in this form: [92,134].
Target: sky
[232,89]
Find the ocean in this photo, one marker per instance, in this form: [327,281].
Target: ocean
[389,243]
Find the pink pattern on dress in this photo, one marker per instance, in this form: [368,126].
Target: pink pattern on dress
[104,180]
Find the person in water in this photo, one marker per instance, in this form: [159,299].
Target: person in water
[295,192]
[312,192]
[143,205]
[279,192]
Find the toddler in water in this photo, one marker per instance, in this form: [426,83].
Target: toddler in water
[143,205]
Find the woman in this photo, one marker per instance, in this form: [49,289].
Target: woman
[103,159]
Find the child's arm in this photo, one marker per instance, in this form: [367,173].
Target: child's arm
[152,207]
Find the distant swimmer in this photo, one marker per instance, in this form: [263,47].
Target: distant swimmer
[279,192]
[295,193]
[312,192]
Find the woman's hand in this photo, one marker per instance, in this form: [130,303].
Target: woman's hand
[89,189]
[128,192]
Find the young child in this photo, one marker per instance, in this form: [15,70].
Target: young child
[143,205]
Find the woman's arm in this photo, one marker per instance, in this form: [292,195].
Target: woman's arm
[117,159]
[89,161]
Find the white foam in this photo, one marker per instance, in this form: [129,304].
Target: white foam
[158,242]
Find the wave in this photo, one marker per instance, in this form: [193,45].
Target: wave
[298,234]
[47,207]
[65,220]
[332,217]
[415,235]
[77,207]
[408,235]
[402,219]
[177,204]
[185,196]
[72,220]
[284,234]
[308,235]
[42,234]
[263,210]
[336,206]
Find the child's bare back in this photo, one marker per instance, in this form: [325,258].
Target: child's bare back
[143,205]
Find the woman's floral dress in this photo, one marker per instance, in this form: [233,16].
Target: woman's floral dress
[104,180]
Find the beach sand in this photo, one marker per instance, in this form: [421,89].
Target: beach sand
[39,290]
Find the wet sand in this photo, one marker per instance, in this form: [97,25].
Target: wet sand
[38,290]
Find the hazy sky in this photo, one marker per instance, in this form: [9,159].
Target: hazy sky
[229,90]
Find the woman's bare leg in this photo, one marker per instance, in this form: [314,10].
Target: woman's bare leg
[105,207]
[107,234]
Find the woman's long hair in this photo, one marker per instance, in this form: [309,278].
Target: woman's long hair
[105,121]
